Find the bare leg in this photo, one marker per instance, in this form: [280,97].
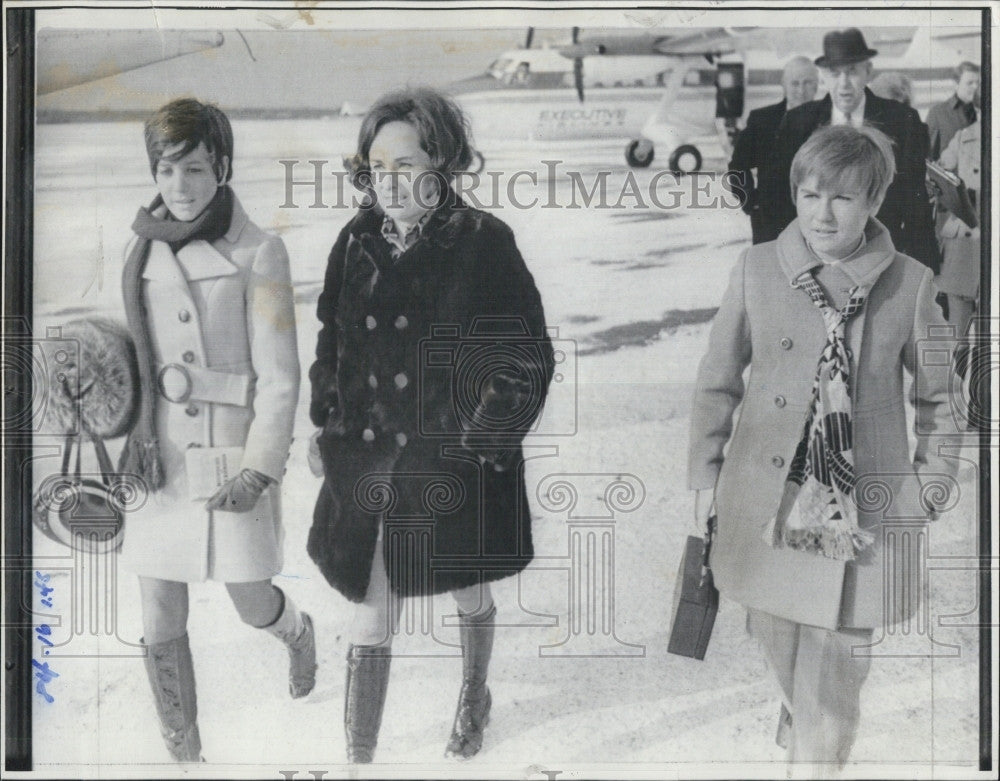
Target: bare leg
[377,616]
[258,603]
[164,609]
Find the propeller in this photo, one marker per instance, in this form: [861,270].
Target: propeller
[577,65]
[529,37]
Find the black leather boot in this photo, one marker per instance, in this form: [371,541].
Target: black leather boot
[364,699]
[171,676]
[474,700]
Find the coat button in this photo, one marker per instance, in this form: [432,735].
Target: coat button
[786,343]
[191,409]
[184,315]
[778,461]
[401,380]
[402,322]
[188,356]
[401,439]
[370,323]
[368,435]
[779,401]
[372,381]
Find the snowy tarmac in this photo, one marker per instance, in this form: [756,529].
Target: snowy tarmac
[581,678]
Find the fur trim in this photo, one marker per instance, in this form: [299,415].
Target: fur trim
[91,378]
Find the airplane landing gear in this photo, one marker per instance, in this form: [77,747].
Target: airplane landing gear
[685,159]
[639,153]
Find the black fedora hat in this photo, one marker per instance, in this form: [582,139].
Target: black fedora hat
[844,47]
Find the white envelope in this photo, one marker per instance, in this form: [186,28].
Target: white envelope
[209,468]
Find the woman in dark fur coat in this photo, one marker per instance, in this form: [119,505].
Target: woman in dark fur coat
[432,365]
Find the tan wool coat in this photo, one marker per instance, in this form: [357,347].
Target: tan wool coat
[766,324]
[225,307]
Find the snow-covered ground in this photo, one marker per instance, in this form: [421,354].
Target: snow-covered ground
[633,291]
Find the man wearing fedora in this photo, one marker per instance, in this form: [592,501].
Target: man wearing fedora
[845,69]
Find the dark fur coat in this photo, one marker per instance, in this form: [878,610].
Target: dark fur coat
[430,370]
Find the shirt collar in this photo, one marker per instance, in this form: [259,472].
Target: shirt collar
[837,116]
[400,243]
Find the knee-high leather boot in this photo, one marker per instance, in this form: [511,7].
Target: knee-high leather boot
[295,630]
[171,676]
[474,700]
[364,699]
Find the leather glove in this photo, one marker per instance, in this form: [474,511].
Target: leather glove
[240,494]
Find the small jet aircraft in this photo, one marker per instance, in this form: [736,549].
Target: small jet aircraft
[656,90]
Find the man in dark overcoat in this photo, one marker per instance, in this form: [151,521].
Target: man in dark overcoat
[800,81]
[845,69]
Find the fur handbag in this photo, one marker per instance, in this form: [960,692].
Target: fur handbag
[696,599]
[90,393]
[91,378]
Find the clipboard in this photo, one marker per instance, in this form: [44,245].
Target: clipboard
[953,195]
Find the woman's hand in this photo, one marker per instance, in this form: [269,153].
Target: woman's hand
[312,455]
[240,494]
[704,501]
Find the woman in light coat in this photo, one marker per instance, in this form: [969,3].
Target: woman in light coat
[960,250]
[816,595]
[209,303]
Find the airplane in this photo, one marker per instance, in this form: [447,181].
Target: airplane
[654,90]
[68,58]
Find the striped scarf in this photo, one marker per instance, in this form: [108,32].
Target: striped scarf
[824,517]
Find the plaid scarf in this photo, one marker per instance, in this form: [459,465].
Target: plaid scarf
[824,517]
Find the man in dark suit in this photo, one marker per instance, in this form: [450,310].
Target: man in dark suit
[800,81]
[845,69]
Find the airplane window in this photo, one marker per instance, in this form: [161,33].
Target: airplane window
[497,69]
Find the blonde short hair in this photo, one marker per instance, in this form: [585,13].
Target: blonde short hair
[842,155]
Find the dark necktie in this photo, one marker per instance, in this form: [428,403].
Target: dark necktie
[969,110]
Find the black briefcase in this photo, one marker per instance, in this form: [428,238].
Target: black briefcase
[696,599]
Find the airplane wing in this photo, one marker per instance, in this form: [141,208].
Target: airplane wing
[70,57]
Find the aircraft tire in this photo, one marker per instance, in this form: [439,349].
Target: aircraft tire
[674,163]
[636,161]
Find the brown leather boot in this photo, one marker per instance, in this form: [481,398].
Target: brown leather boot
[171,676]
[474,700]
[364,699]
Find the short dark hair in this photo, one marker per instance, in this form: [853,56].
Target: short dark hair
[963,67]
[189,122]
[441,125]
[841,154]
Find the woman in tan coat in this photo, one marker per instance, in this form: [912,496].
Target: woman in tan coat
[209,303]
[827,317]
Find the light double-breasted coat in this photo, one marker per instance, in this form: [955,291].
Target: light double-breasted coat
[960,247]
[774,328]
[222,314]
